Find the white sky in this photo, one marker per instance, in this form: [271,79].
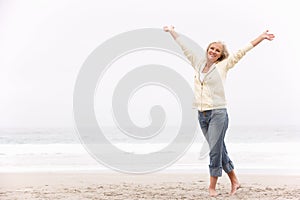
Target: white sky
[44,43]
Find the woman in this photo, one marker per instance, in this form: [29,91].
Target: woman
[210,75]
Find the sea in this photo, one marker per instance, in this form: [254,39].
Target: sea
[253,149]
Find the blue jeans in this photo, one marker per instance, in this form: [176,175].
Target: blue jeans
[214,124]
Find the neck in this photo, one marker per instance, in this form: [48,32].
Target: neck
[209,64]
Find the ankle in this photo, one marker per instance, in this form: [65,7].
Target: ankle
[235,182]
[212,192]
[211,188]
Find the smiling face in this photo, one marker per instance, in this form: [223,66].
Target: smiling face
[214,51]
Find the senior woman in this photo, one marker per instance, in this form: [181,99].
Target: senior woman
[210,75]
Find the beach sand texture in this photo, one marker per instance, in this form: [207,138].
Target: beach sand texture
[60,185]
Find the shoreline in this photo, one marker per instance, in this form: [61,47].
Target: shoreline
[168,170]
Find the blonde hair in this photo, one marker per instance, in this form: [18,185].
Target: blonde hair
[224,53]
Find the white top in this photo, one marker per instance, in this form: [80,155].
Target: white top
[202,75]
[211,95]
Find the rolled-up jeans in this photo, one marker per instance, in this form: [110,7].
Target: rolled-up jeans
[214,124]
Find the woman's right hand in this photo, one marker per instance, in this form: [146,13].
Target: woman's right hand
[168,28]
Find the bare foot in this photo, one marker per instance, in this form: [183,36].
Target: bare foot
[212,192]
[234,188]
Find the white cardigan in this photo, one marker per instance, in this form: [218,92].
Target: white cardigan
[210,94]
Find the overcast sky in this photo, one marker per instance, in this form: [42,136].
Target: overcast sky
[43,45]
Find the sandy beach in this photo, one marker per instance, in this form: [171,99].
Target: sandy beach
[113,185]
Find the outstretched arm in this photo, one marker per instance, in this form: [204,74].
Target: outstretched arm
[264,36]
[193,57]
[234,58]
[171,30]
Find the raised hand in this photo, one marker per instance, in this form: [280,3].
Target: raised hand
[267,35]
[168,28]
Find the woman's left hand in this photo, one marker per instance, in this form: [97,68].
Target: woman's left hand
[267,35]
